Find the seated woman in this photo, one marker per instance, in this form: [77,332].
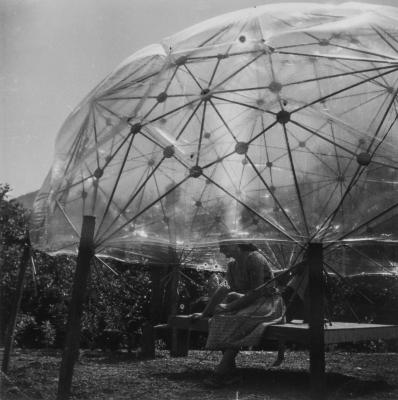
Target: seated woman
[242,309]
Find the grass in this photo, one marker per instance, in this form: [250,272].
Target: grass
[119,376]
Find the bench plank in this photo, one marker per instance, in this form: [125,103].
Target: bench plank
[297,331]
[185,322]
[336,332]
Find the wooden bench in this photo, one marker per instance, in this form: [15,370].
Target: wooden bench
[293,332]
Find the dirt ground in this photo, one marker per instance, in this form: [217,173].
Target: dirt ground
[34,374]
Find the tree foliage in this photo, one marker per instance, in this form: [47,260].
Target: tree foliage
[112,302]
[13,226]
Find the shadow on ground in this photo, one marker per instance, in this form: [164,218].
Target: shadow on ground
[285,382]
[100,357]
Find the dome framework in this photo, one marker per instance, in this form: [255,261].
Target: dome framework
[273,124]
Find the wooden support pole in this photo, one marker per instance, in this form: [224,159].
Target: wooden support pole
[178,338]
[79,290]
[316,320]
[155,313]
[15,305]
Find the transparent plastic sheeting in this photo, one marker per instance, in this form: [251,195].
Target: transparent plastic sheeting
[275,125]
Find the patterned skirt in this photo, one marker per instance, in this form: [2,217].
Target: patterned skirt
[246,327]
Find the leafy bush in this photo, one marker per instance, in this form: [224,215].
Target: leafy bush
[12,234]
[112,302]
[372,298]
[29,333]
[369,298]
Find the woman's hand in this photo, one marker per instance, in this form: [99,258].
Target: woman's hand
[196,316]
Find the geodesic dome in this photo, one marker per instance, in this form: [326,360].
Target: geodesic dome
[275,125]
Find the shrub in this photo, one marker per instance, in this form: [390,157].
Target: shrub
[369,298]
[30,334]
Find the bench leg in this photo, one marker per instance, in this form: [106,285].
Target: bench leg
[179,342]
[148,341]
[281,354]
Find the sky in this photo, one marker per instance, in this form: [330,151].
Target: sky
[53,52]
